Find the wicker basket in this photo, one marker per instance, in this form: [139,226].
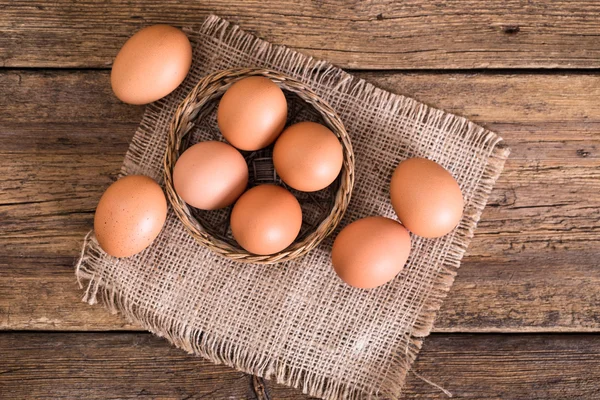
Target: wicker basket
[198,105]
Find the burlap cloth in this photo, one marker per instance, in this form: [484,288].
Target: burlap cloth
[297,322]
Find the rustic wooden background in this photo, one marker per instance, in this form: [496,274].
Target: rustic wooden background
[523,317]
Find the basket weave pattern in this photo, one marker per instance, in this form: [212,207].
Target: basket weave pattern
[192,111]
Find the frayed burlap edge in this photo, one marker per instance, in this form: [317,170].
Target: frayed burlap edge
[223,352]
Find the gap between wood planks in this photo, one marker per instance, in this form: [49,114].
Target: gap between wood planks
[425,71]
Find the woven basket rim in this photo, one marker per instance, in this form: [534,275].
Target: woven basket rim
[205,91]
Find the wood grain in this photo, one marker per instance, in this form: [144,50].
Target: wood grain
[133,365]
[532,265]
[381,34]
[499,367]
[110,366]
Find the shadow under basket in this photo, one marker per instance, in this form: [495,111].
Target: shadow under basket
[195,120]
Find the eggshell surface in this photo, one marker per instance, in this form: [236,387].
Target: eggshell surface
[370,252]
[130,215]
[426,198]
[252,113]
[266,219]
[308,156]
[151,64]
[210,175]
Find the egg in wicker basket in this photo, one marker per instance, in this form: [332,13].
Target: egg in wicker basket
[195,121]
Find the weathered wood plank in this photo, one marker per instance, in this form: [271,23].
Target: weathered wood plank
[110,366]
[43,302]
[526,367]
[531,267]
[384,34]
[132,365]
[549,295]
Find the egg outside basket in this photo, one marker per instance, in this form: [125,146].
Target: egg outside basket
[196,107]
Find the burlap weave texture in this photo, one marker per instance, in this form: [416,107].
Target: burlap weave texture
[296,322]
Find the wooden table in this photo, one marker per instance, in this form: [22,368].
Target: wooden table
[523,317]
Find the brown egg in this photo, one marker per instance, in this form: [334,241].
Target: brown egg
[252,113]
[151,64]
[426,198]
[370,252]
[130,215]
[210,175]
[308,156]
[266,219]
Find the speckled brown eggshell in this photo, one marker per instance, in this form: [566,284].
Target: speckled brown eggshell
[370,252]
[151,64]
[252,113]
[308,156]
[426,198]
[266,219]
[130,215]
[210,175]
